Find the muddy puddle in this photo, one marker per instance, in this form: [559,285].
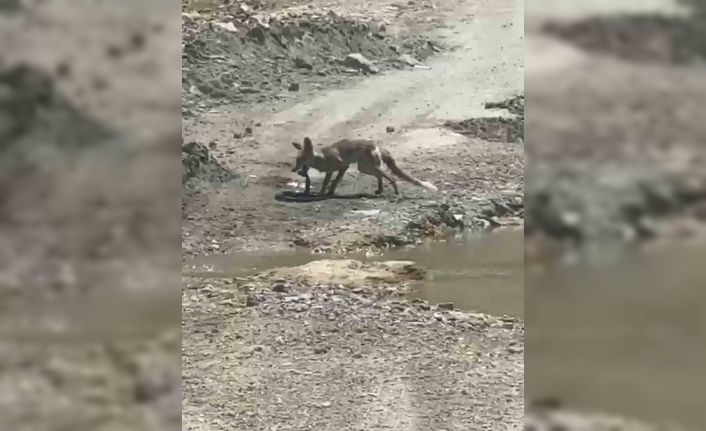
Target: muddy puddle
[625,339]
[478,272]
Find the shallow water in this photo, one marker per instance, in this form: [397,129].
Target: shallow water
[627,338]
[481,272]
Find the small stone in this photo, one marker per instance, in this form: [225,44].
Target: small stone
[303,62]
[63,69]
[299,308]
[294,86]
[280,287]
[248,131]
[320,350]
[114,51]
[248,90]
[408,60]
[258,34]
[155,385]
[359,62]
[137,40]
[389,129]
[326,404]
[446,305]
[237,135]
[226,78]
[212,145]
[250,301]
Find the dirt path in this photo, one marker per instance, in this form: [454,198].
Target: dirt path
[475,176]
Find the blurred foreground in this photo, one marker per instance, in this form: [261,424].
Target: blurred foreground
[616,188]
[89,131]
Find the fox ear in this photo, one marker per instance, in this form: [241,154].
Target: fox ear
[307,143]
[297,145]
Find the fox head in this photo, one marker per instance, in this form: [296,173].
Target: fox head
[305,152]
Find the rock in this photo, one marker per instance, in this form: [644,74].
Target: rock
[63,69]
[321,350]
[258,34]
[248,90]
[359,62]
[212,145]
[389,129]
[228,26]
[198,163]
[226,78]
[408,60]
[299,308]
[248,131]
[237,135]
[251,301]
[280,287]
[294,86]
[446,305]
[303,62]
[155,384]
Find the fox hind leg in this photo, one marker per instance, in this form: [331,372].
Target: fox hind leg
[367,166]
[337,180]
[327,178]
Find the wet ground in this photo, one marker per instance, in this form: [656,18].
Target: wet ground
[476,272]
[630,338]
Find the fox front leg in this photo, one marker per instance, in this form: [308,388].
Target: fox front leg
[304,172]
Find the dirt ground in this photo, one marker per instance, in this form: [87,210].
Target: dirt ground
[88,129]
[322,353]
[405,110]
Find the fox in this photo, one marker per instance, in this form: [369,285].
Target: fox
[338,157]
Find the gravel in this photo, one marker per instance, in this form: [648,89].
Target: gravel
[321,357]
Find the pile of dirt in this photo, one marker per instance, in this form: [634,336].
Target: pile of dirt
[244,58]
[496,129]
[589,206]
[648,38]
[198,166]
[350,272]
